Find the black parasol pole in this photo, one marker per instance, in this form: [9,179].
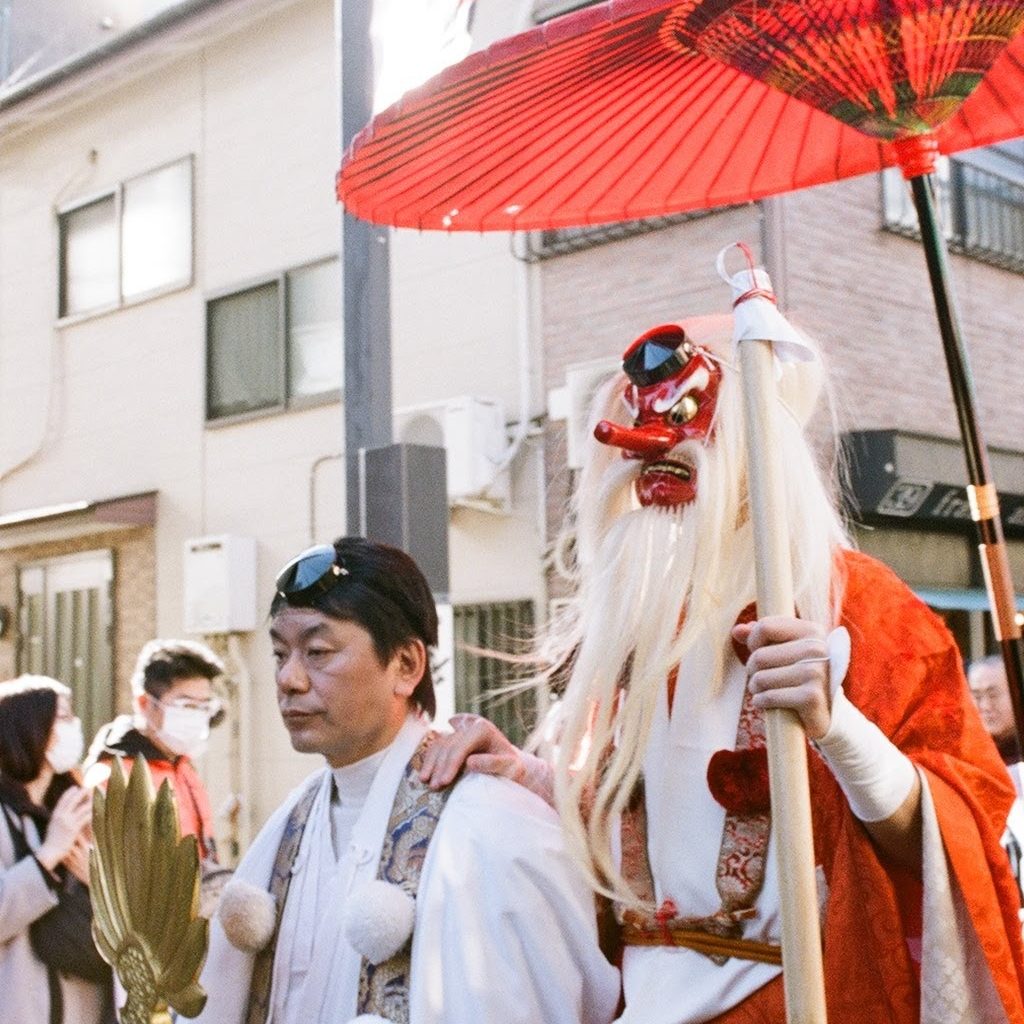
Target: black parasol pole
[981,491]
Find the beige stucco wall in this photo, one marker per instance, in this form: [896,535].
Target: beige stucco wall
[114,404]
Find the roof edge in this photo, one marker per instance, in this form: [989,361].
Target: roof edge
[67,69]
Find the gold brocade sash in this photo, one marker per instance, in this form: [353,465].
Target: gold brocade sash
[739,877]
[280,879]
[703,942]
[384,987]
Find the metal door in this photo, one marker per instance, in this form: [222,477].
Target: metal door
[65,629]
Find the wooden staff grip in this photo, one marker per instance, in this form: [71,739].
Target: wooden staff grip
[803,972]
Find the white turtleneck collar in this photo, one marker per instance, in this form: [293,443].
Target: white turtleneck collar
[352,785]
[352,781]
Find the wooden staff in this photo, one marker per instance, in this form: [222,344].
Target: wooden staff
[803,973]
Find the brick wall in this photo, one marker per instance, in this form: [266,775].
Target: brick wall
[861,291]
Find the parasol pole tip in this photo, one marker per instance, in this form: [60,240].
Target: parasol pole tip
[916,154]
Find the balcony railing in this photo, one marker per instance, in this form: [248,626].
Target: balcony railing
[982,213]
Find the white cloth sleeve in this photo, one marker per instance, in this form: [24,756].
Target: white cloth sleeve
[505,923]
[873,773]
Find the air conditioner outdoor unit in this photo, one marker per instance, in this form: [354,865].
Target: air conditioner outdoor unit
[220,584]
[472,432]
[572,403]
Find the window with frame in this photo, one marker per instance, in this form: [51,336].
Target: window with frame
[128,244]
[489,685]
[980,199]
[276,344]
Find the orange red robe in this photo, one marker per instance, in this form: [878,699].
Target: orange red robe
[906,676]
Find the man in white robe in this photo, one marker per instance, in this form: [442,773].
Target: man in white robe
[502,923]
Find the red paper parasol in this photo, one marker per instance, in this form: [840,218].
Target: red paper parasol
[637,108]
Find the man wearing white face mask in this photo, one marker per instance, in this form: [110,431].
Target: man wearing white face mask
[174,706]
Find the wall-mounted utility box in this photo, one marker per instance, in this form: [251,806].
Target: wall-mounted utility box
[473,435]
[220,584]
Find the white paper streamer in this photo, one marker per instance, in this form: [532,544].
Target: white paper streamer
[758,318]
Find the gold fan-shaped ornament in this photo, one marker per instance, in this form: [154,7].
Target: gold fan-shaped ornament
[145,893]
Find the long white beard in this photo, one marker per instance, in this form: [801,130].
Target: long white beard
[655,569]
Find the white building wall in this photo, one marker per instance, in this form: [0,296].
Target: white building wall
[114,403]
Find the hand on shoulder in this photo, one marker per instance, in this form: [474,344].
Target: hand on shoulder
[477,745]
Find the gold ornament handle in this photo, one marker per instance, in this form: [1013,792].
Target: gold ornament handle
[145,895]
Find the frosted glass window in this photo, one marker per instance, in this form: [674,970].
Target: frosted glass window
[314,330]
[134,242]
[88,238]
[245,371]
[276,344]
[156,230]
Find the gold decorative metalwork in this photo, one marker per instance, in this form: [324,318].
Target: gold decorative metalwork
[145,891]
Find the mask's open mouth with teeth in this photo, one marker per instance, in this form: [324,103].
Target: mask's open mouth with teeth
[679,469]
[667,483]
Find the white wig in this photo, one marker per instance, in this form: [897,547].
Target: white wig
[652,582]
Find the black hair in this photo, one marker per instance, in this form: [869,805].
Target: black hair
[163,662]
[384,591]
[28,709]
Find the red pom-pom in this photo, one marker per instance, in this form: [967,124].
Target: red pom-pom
[738,780]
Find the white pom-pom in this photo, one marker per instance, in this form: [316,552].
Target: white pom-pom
[370,1018]
[378,919]
[248,915]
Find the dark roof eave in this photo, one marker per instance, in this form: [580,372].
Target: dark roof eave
[152,27]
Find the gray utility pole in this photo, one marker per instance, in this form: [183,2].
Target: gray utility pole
[365,269]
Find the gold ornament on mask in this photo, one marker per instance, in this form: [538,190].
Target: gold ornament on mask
[145,895]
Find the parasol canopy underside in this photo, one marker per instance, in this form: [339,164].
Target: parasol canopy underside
[640,108]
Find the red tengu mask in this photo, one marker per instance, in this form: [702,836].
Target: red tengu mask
[671,394]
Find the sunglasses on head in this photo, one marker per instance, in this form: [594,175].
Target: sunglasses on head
[314,571]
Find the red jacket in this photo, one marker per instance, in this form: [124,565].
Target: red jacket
[121,739]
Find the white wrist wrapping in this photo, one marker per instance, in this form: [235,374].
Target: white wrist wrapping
[873,773]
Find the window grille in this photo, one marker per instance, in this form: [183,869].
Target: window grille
[546,244]
[981,210]
[482,682]
[275,344]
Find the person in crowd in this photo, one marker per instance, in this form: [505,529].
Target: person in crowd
[661,773]
[172,689]
[44,836]
[991,692]
[368,896]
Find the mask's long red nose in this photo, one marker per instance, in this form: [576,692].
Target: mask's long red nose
[650,440]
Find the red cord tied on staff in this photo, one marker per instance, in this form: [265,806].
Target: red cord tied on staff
[756,314]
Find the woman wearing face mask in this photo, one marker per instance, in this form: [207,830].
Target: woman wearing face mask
[174,707]
[44,834]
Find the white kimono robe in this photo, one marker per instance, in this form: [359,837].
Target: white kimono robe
[665,985]
[505,929]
